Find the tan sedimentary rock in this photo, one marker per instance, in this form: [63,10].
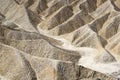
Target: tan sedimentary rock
[17,65]
[59,40]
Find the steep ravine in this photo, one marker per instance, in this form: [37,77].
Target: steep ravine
[59,40]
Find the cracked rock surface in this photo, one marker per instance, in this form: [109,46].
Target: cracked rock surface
[59,39]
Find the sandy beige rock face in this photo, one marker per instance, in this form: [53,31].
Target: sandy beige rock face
[59,39]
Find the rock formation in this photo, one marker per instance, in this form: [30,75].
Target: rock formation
[59,39]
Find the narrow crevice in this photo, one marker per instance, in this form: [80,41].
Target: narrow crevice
[42,6]
[102,41]
[34,18]
[30,2]
[18,2]
[78,74]
[31,71]
[97,25]
[115,7]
